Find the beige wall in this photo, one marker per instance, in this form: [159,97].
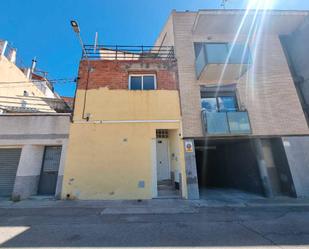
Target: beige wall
[12,94]
[113,155]
[109,161]
[166,37]
[104,104]
[267,90]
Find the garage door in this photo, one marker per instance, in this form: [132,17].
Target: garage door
[9,159]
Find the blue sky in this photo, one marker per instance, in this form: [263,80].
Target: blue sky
[42,29]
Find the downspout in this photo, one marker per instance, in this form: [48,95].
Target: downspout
[89,70]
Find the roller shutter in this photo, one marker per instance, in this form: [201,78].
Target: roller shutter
[9,160]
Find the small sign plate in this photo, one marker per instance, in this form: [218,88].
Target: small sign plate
[189,146]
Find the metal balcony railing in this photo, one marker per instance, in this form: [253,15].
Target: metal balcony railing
[226,123]
[116,52]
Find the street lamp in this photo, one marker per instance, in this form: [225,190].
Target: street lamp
[75,26]
[76,29]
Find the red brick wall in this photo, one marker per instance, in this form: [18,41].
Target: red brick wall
[115,74]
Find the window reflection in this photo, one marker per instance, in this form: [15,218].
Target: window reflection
[219,104]
[209,104]
[227,104]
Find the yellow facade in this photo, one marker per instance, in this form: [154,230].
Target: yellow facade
[112,156]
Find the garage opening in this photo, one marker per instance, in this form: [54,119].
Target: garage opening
[227,165]
[230,167]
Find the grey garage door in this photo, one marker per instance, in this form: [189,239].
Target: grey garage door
[9,159]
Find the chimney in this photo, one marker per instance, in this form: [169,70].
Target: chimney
[33,65]
[30,71]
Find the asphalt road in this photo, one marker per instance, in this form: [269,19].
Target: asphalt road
[279,227]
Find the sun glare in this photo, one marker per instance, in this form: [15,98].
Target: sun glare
[261,4]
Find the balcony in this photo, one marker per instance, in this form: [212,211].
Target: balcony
[221,61]
[226,123]
[128,53]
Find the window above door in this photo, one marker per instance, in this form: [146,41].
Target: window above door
[142,82]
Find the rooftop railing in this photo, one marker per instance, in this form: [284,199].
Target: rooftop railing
[116,52]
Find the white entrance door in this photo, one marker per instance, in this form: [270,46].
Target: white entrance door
[163,166]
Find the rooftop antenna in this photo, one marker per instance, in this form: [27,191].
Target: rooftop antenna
[95,42]
[223,4]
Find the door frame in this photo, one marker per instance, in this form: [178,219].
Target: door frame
[42,167]
[154,168]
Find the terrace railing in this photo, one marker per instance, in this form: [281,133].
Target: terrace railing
[102,52]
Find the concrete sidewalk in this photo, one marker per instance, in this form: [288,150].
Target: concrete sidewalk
[155,206]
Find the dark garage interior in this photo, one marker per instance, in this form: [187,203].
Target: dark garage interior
[225,164]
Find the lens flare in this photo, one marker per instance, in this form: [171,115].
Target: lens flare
[249,31]
[261,4]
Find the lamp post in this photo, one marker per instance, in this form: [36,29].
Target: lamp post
[76,29]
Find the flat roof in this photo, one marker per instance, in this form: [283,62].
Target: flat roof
[237,11]
[229,21]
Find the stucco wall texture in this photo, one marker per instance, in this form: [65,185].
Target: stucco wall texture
[111,161]
[112,156]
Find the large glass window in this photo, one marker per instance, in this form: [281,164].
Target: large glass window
[219,104]
[227,104]
[142,82]
[209,104]
[239,54]
[217,52]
